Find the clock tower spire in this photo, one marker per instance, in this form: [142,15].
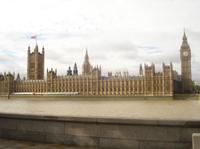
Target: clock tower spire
[185,54]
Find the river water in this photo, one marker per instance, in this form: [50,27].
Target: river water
[91,107]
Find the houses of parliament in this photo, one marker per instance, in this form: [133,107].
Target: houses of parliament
[91,82]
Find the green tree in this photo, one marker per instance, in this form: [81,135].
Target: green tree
[196,88]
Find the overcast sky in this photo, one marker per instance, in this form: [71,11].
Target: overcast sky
[119,34]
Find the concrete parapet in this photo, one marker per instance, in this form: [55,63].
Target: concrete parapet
[99,132]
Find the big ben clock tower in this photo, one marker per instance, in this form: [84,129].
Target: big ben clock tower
[185,54]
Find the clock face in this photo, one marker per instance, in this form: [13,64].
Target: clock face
[185,53]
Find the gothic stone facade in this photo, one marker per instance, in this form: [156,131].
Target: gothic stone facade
[35,64]
[91,82]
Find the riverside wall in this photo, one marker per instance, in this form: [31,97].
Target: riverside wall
[41,96]
[100,132]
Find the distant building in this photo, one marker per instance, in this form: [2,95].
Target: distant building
[91,82]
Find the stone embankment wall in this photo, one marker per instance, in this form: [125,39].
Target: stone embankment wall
[100,132]
[66,97]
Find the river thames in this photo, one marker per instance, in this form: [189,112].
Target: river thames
[107,108]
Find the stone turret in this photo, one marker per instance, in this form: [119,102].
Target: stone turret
[51,76]
[35,64]
[87,68]
[75,70]
[7,86]
[18,77]
[149,70]
[167,79]
[69,71]
[149,78]
[96,72]
[141,70]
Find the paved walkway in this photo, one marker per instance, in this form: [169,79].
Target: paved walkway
[13,144]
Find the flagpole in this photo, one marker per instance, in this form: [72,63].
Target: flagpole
[36,40]
[34,37]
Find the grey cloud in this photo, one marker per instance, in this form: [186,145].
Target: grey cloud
[130,54]
[44,36]
[120,50]
[5,59]
[114,46]
[196,72]
[99,57]
[151,49]
[59,58]
[158,58]
[148,47]
[194,34]
[14,36]
[123,46]
[7,56]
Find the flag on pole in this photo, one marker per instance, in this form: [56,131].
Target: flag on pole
[34,37]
